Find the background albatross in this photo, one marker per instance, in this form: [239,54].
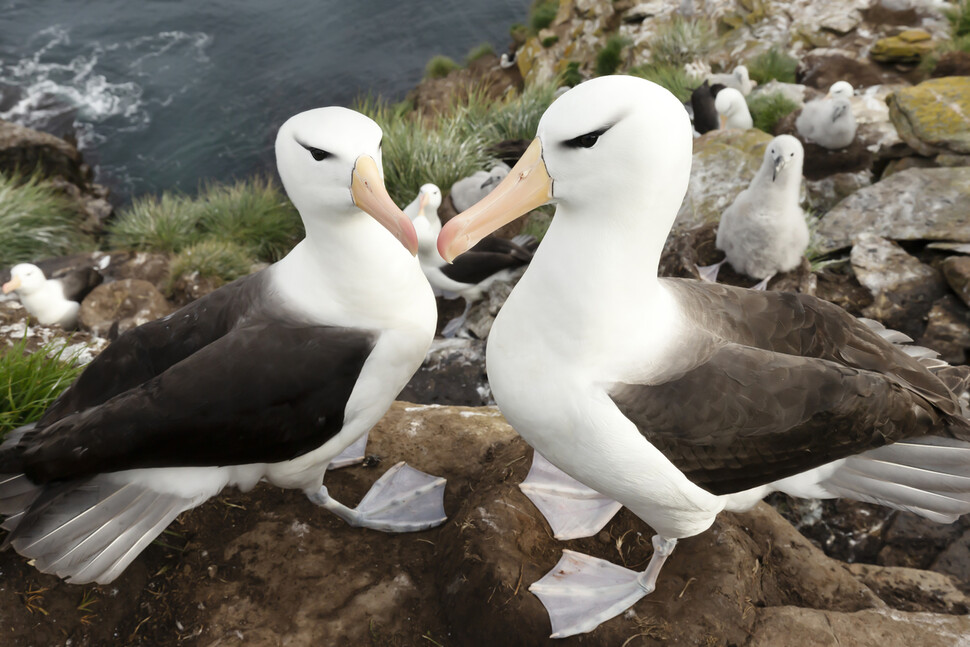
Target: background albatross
[679,398]
[268,377]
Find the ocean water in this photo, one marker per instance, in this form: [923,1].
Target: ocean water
[162,94]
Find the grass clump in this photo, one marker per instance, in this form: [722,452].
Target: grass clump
[543,13]
[673,77]
[682,40]
[609,58]
[211,258]
[768,108]
[29,382]
[572,76]
[36,221]
[959,17]
[253,214]
[478,52]
[515,117]
[439,67]
[152,223]
[773,64]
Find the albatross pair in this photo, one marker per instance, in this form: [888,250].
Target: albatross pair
[269,377]
[677,398]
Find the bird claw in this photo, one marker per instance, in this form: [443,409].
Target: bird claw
[708,273]
[572,509]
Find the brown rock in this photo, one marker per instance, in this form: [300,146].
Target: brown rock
[948,330]
[956,269]
[821,68]
[952,64]
[23,149]
[903,288]
[116,307]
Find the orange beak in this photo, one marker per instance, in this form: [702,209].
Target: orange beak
[370,196]
[11,285]
[526,187]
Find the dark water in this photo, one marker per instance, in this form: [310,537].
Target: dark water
[163,93]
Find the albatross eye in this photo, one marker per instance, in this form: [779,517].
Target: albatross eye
[586,141]
[318,154]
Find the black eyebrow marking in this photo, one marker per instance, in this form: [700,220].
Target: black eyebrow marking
[318,153]
[578,142]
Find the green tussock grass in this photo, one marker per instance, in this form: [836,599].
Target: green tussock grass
[959,17]
[478,52]
[773,64]
[165,223]
[767,109]
[418,150]
[211,258]
[514,117]
[439,67]
[543,13]
[672,77]
[682,40]
[254,214]
[609,58]
[29,383]
[571,76]
[36,221]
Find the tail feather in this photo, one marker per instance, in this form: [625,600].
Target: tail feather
[90,531]
[16,493]
[929,476]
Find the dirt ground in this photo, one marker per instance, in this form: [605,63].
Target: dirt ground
[269,568]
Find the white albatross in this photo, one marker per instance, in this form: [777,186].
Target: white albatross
[829,121]
[764,231]
[679,398]
[738,79]
[732,109]
[469,277]
[52,302]
[269,377]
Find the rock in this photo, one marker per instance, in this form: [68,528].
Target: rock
[952,64]
[822,67]
[77,346]
[453,373]
[113,308]
[913,589]
[912,542]
[724,163]
[23,149]
[903,288]
[932,116]
[909,46]
[915,204]
[956,269]
[955,560]
[948,330]
[821,162]
[825,193]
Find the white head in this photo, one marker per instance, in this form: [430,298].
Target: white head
[614,140]
[840,89]
[729,101]
[329,160]
[741,74]
[25,279]
[783,160]
[429,199]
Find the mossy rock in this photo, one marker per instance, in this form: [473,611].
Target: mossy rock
[908,47]
[724,163]
[932,116]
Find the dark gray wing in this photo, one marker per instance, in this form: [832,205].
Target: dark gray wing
[490,256]
[148,350]
[746,416]
[263,393]
[77,284]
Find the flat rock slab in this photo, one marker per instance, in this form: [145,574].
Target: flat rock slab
[270,568]
[914,204]
[933,116]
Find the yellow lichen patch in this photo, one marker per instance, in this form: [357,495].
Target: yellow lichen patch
[934,116]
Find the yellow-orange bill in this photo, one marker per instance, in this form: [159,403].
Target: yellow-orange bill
[526,187]
[370,196]
[11,285]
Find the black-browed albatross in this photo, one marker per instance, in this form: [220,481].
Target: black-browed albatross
[679,398]
[55,301]
[269,377]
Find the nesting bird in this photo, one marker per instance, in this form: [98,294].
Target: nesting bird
[733,109]
[764,232]
[678,398]
[829,122]
[269,377]
[705,112]
[467,191]
[469,277]
[51,302]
